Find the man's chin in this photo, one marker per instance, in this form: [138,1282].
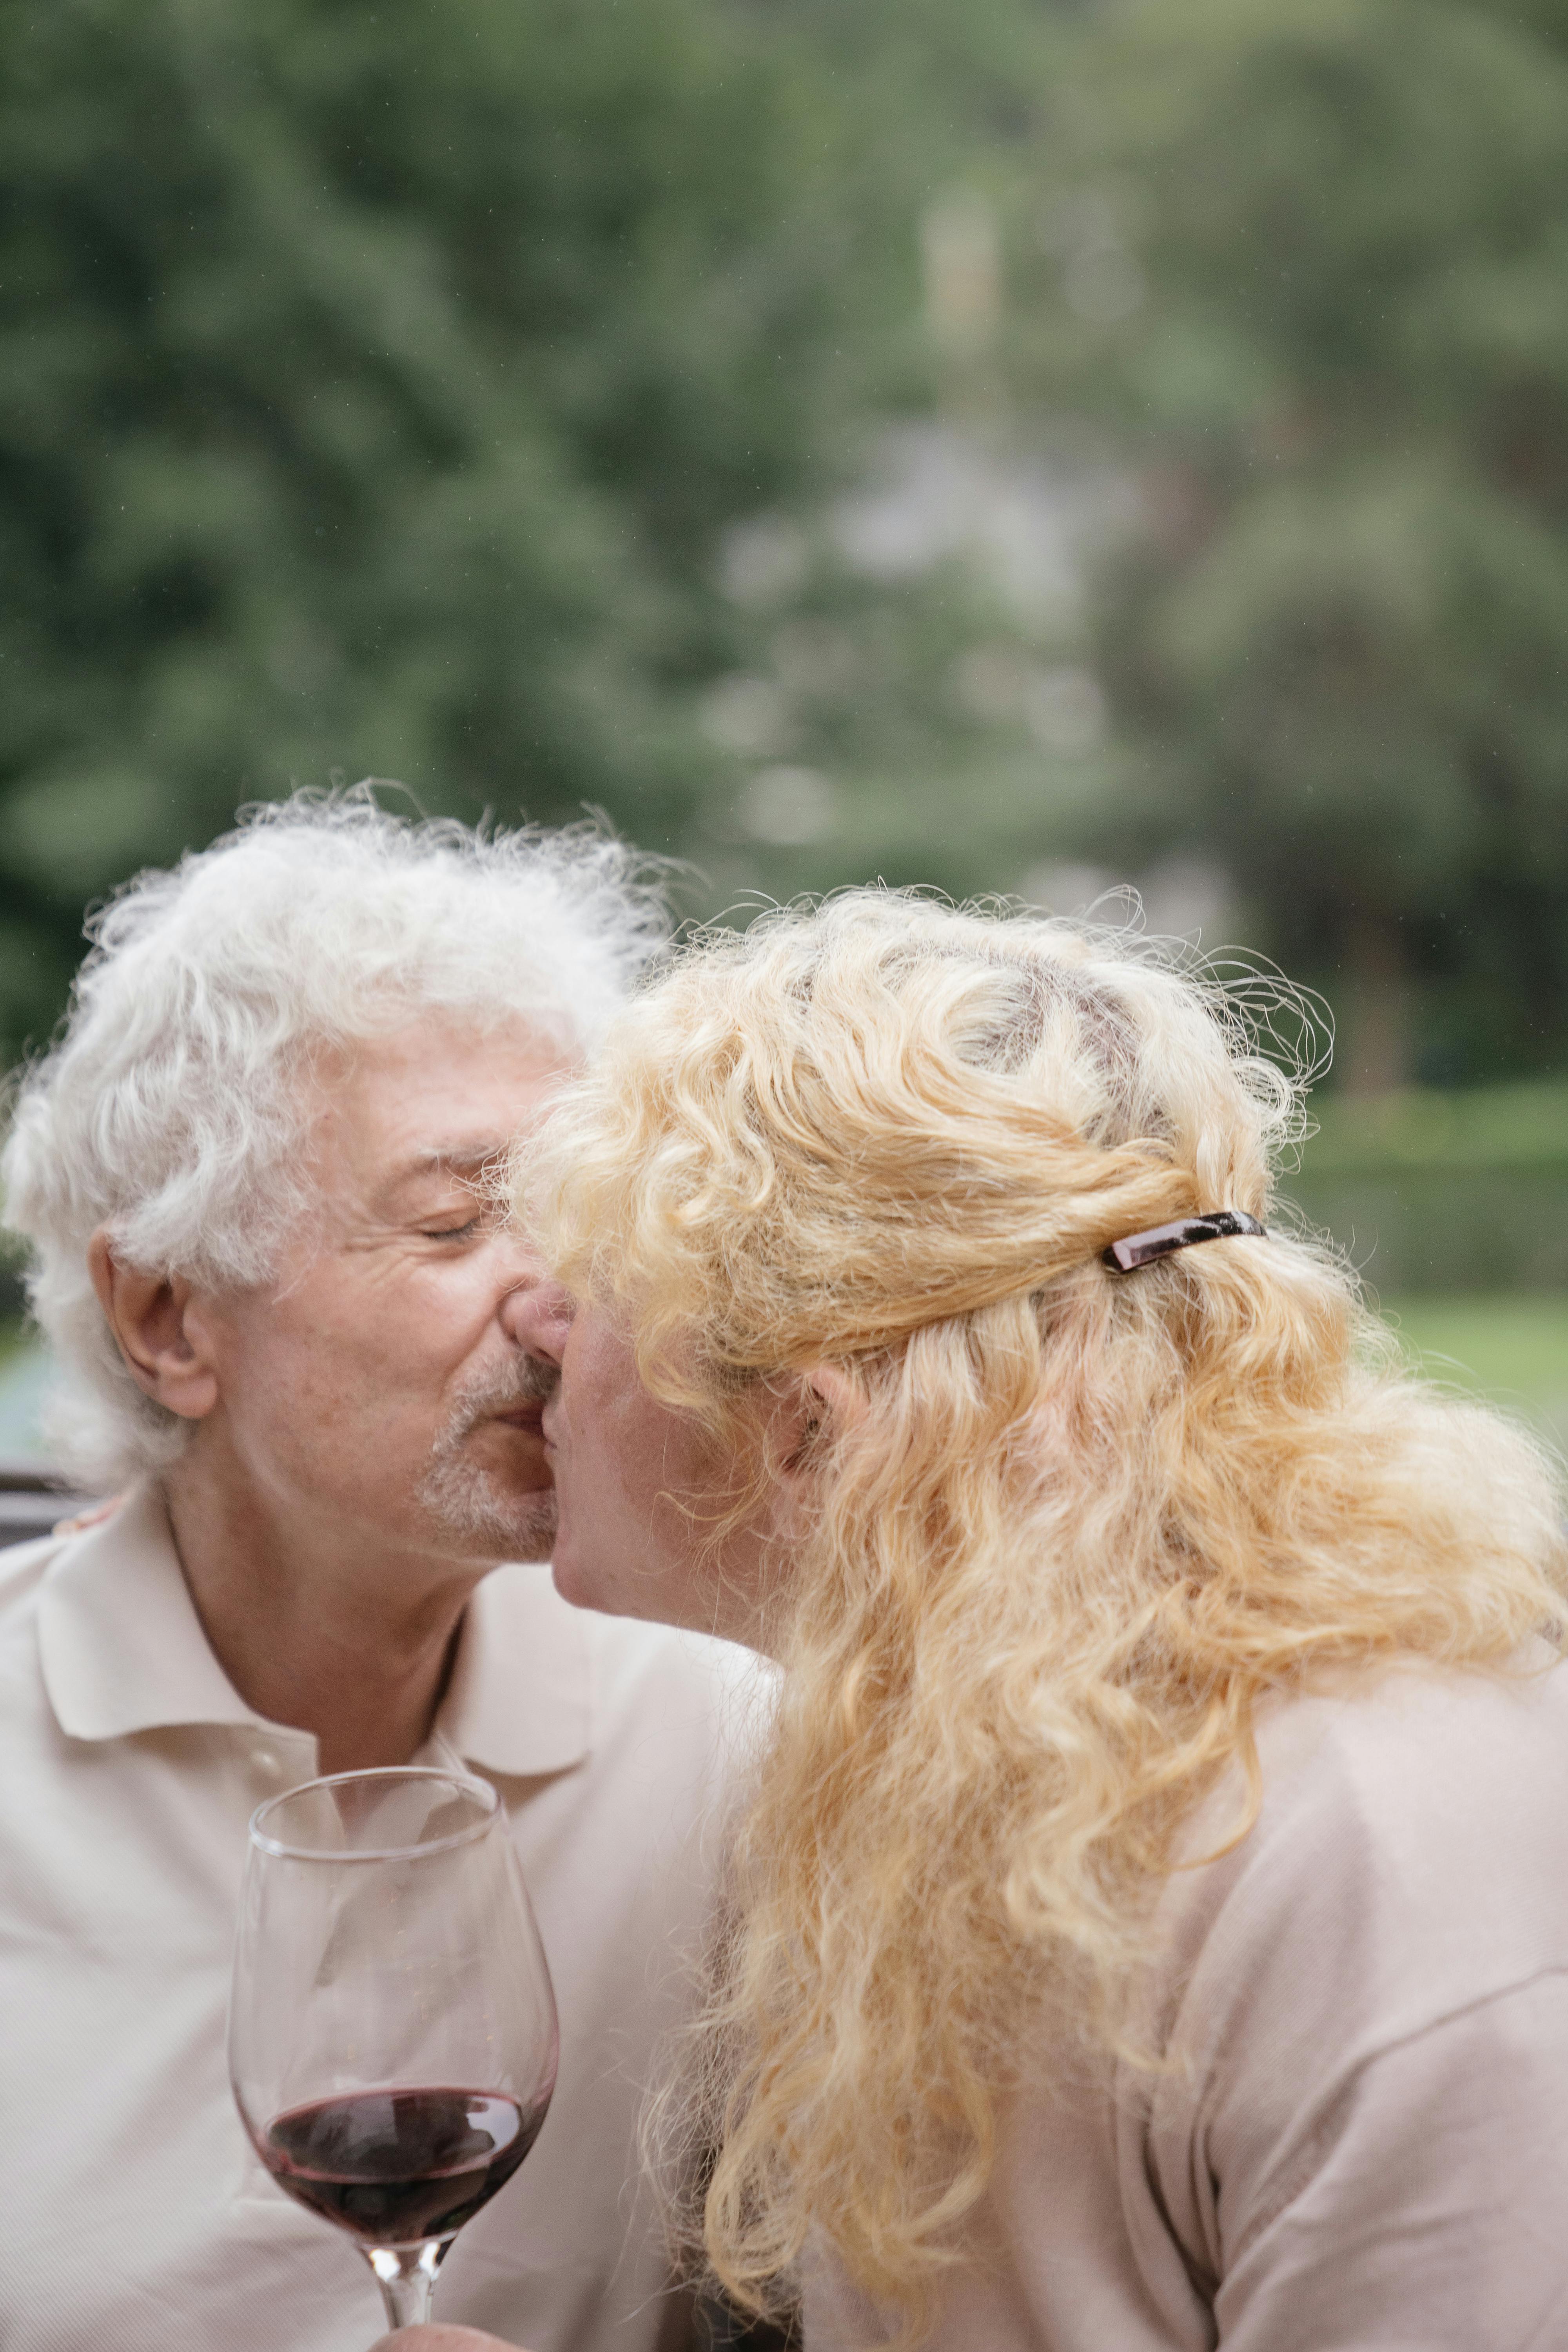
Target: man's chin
[532,1526]
[487,1519]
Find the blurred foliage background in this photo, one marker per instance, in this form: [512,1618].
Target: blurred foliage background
[1036,447]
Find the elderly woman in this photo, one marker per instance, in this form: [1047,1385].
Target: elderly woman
[1149,1925]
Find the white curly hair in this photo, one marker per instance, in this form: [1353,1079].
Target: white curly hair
[171,1107]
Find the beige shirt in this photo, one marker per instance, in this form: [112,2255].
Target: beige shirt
[1364,2142]
[136,2217]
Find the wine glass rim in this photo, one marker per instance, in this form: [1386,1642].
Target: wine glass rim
[470,1782]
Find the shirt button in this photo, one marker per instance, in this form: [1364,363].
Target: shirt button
[265,1760]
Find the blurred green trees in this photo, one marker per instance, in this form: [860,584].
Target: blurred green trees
[379,380]
[493,397]
[1306,265]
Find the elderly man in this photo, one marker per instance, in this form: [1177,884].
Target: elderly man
[256,1176]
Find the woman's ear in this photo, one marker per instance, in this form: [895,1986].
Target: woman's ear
[822,1397]
[836,1393]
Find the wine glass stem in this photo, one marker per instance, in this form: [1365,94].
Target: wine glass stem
[408,2276]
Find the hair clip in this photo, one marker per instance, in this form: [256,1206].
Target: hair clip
[1142,1249]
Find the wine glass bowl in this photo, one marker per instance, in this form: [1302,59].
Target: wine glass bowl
[393,2036]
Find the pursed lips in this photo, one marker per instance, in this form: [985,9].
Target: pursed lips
[521,1416]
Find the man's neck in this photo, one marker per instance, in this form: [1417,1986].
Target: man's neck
[315,1624]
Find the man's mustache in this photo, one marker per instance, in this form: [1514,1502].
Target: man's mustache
[531,1379]
[536,1380]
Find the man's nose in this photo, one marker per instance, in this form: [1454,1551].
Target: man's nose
[536,1317]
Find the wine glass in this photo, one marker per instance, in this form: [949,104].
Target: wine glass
[391,2034]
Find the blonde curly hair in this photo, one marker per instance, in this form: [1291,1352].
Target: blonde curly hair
[1077,1528]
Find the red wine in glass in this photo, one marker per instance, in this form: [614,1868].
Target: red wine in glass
[399,2165]
[391,2034]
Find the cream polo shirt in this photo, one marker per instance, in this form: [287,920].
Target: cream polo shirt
[1360,2144]
[137,2218]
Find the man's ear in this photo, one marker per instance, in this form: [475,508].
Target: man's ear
[158,1330]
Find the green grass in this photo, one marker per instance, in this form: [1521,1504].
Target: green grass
[1448,1194]
[1512,1349]
[1487,1128]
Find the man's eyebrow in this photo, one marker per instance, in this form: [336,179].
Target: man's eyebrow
[464,1156]
[465,1151]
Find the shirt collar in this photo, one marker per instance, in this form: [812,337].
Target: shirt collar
[520,1697]
[124,1651]
[122,1647]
